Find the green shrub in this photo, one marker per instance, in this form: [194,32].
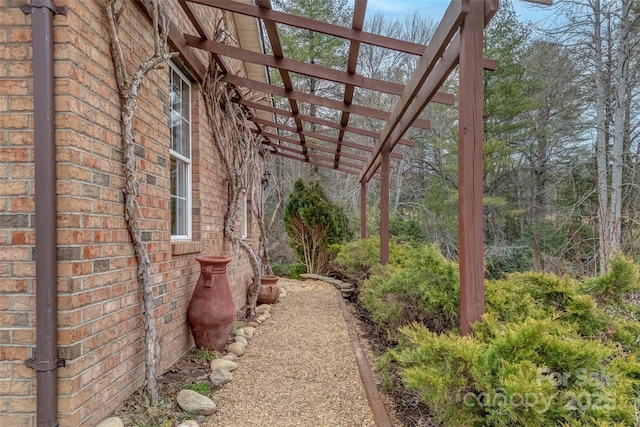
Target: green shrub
[280,269]
[623,277]
[546,352]
[529,373]
[539,296]
[313,222]
[424,289]
[288,270]
[512,260]
[296,269]
[357,260]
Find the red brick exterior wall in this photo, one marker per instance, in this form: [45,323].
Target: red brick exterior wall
[99,317]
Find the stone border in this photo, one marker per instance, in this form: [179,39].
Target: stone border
[347,290]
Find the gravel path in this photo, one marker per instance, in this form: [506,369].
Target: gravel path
[299,370]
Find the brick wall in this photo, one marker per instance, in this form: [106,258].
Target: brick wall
[99,319]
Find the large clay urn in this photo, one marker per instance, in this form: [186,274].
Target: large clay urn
[212,311]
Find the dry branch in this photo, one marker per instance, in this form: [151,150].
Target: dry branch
[129,89]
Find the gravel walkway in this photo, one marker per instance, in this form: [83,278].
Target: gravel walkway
[299,370]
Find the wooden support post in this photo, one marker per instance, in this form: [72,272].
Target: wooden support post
[363,209]
[470,185]
[385,172]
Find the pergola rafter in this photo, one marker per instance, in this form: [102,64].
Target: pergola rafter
[323,122]
[457,42]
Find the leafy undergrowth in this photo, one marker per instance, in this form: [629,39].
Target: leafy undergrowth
[186,373]
[550,351]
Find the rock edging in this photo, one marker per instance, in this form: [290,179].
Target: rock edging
[348,290]
[221,367]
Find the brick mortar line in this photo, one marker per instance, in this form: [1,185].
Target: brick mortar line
[378,410]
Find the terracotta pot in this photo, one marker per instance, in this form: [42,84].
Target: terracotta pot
[269,289]
[212,311]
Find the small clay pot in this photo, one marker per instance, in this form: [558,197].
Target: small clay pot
[269,289]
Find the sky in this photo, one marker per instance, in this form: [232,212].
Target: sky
[435,8]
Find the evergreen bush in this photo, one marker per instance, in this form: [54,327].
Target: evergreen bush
[623,277]
[313,223]
[422,288]
[549,351]
[358,259]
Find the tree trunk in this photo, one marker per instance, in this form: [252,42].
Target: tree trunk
[620,120]
[604,235]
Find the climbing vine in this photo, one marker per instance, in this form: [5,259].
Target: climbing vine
[240,154]
[129,90]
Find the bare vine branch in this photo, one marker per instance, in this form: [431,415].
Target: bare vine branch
[129,88]
[240,155]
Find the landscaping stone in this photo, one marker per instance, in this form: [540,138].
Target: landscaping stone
[111,422]
[265,316]
[334,282]
[237,348]
[246,332]
[223,364]
[253,324]
[220,377]
[230,356]
[263,308]
[243,340]
[193,402]
[309,276]
[189,423]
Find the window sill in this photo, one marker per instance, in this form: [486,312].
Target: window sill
[186,247]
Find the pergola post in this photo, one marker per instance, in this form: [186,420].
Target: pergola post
[385,169]
[363,209]
[470,176]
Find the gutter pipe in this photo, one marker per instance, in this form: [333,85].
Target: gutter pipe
[46,360]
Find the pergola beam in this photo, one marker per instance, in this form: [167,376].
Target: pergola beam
[363,210]
[315,99]
[276,46]
[310,146]
[439,74]
[290,65]
[317,26]
[313,156]
[445,31]
[310,161]
[352,62]
[322,122]
[319,136]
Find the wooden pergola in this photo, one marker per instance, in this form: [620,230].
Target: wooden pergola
[456,42]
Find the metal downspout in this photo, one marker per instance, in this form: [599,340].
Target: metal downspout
[46,355]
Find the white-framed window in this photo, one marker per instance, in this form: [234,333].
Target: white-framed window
[180,150]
